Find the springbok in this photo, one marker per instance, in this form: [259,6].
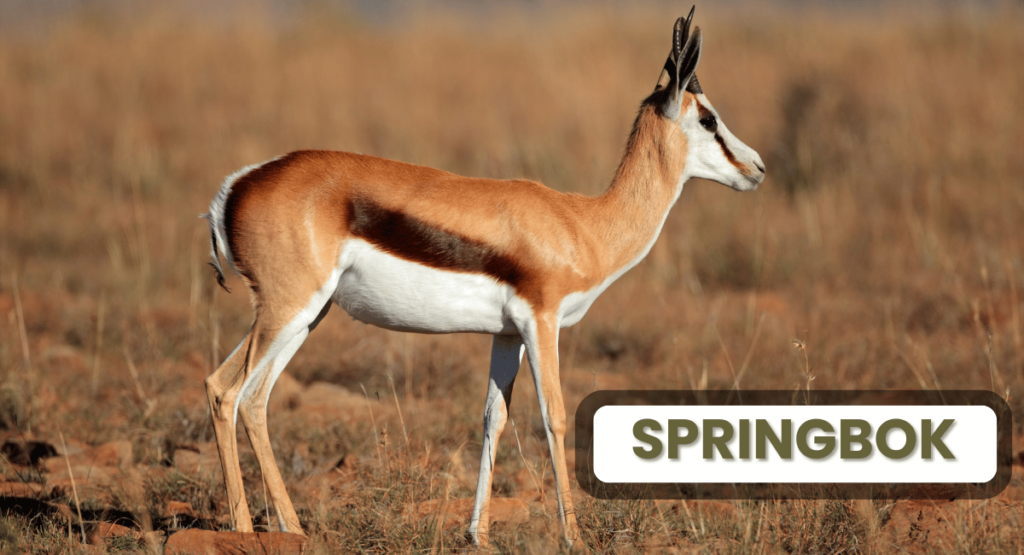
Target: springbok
[416,249]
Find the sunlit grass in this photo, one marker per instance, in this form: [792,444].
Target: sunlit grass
[886,240]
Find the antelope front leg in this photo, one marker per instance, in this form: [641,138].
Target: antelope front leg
[506,355]
[542,351]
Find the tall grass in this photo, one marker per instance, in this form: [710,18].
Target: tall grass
[886,239]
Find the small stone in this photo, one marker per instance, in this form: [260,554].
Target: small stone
[177,508]
[201,462]
[115,454]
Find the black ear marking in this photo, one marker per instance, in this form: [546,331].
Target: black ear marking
[678,70]
[680,36]
[670,67]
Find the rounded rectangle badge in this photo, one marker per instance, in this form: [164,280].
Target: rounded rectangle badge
[793,444]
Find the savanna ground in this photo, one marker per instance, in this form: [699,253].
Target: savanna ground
[884,251]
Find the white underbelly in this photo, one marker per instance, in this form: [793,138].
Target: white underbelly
[386,291]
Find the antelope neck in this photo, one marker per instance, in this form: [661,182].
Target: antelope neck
[646,186]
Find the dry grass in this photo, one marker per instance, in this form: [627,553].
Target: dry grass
[887,238]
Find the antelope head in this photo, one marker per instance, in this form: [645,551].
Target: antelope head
[713,152]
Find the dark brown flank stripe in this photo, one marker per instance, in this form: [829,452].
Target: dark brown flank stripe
[406,237]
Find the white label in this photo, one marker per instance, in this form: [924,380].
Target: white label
[951,444]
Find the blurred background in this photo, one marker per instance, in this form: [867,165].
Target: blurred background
[884,250]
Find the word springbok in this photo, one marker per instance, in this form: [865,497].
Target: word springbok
[416,249]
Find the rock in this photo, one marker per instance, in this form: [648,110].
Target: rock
[179,508]
[456,512]
[91,482]
[83,474]
[204,542]
[204,461]
[116,454]
[179,514]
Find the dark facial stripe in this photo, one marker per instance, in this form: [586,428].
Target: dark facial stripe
[414,240]
[703,112]
[727,152]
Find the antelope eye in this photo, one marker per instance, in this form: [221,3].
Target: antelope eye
[709,123]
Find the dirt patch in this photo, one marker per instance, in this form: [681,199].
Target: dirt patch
[205,542]
[457,512]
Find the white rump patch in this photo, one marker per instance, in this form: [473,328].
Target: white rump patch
[216,211]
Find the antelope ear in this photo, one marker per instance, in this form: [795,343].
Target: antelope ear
[680,33]
[674,65]
[687,64]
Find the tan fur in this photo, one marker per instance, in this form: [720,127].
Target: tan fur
[286,223]
[566,242]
